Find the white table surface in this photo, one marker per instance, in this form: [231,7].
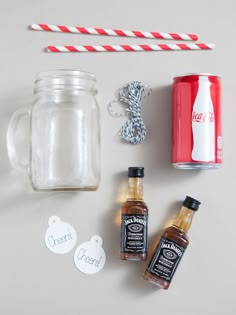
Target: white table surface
[36,281]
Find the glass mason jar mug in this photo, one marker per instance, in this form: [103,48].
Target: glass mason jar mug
[64,132]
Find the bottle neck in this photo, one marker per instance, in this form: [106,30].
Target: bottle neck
[184,219]
[135,188]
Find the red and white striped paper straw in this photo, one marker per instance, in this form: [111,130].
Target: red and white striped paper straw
[129,48]
[108,32]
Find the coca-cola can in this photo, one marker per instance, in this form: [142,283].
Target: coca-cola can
[196,121]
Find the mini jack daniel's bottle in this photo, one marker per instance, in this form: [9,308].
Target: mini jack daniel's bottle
[171,246]
[134,219]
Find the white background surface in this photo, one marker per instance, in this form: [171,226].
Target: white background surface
[35,281]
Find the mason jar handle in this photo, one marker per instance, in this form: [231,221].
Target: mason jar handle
[19,160]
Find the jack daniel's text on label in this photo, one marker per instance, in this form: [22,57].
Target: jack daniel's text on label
[166,259]
[134,232]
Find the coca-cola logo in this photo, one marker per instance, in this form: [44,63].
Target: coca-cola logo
[203,117]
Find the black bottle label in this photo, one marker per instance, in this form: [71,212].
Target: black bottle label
[166,259]
[134,233]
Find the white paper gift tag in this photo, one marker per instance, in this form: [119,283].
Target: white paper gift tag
[90,257]
[60,236]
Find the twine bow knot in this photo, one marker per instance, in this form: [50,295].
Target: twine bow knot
[134,130]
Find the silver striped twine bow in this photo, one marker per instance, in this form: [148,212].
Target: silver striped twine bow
[134,130]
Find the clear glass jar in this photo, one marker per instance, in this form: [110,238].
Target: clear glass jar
[65,132]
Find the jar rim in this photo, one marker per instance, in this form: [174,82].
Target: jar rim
[57,73]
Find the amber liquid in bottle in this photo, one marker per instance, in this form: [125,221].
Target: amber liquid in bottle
[134,219]
[170,249]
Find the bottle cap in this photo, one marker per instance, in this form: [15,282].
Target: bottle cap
[136,172]
[191,203]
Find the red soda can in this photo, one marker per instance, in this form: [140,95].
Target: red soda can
[196,121]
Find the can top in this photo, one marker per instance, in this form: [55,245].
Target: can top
[191,203]
[195,74]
